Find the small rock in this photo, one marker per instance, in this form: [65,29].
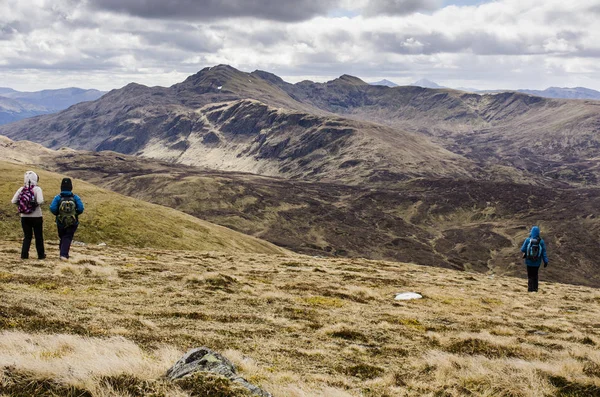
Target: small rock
[406,296]
[78,243]
[102,245]
[206,360]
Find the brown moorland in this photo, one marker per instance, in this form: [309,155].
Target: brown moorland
[111,321]
[467,225]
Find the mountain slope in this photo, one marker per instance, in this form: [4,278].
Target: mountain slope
[55,100]
[123,221]
[468,225]
[113,322]
[315,130]
[566,93]
[198,123]
[13,110]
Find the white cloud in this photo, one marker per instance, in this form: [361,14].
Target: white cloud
[503,44]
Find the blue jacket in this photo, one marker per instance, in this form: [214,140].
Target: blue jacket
[535,233]
[56,202]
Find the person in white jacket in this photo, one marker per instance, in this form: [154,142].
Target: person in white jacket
[31,218]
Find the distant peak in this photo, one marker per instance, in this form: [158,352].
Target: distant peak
[347,79]
[385,82]
[426,84]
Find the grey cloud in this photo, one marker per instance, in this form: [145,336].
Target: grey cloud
[570,35]
[8,30]
[595,9]
[400,7]
[190,40]
[67,65]
[480,43]
[265,37]
[277,10]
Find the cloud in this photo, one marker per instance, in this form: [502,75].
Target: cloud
[276,10]
[400,7]
[506,43]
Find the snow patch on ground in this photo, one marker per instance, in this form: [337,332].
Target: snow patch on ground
[406,296]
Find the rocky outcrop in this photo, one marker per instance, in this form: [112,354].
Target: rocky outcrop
[204,359]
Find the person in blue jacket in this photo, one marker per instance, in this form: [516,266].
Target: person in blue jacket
[534,252]
[67,207]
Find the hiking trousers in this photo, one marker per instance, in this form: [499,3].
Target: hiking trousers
[532,278]
[66,238]
[32,226]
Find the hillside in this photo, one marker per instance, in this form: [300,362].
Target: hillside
[198,123]
[468,225]
[549,138]
[13,110]
[113,321]
[118,220]
[17,105]
[565,92]
[54,100]
[344,130]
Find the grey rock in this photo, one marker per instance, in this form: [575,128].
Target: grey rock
[204,359]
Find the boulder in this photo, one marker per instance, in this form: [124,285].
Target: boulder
[204,359]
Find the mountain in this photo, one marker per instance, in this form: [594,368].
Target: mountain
[13,110]
[568,93]
[226,119]
[54,100]
[426,84]
[343,131]
[15,105]
[6,90]
[385,82]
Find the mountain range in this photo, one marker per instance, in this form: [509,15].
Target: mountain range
[16,105]
[551,92]
[344,130]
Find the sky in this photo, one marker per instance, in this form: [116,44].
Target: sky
[493,44]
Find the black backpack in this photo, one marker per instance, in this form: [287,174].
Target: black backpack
[534,250]
[67,211]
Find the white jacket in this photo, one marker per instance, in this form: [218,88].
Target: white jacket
[31,178]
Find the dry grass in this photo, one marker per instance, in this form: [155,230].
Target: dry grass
[113,323]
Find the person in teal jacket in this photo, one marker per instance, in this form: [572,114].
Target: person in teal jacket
[534,252]
[67,207]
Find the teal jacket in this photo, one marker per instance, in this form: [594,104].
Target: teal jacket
[535,233]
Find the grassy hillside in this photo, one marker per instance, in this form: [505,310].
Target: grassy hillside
[297,326]
[471,225]
[118,220]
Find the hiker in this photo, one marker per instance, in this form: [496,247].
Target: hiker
[28,199]
[534,251]
[67,207]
